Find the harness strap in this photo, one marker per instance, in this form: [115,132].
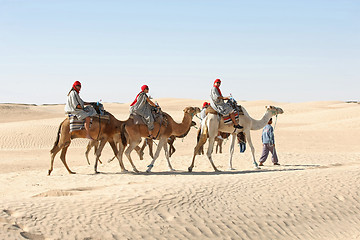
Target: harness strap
[99,128]
[159,127]
[275,122]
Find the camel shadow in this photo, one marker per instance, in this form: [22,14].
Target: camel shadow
[184,173]
[301,165]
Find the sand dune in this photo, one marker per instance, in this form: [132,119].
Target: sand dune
[313,195]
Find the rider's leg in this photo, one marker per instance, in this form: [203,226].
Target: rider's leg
[87,127]
[236,125]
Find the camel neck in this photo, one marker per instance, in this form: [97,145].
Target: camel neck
[182,128]
[259,124]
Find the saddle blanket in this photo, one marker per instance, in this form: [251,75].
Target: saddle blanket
[76,124]
[227,119]
[161,119]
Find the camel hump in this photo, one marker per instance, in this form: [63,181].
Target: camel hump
[210,110]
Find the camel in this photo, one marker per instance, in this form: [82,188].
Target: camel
[170,141]
[103,131]
[140,151]
[212,123]
[135,132]
[219,141]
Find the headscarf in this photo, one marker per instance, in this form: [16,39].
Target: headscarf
[76,83]
[205,104]
[143,87]
[216,81]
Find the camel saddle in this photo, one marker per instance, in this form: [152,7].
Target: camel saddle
[76,124]
[227,119]
[159,117]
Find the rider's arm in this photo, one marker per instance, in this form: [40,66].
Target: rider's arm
[150,102]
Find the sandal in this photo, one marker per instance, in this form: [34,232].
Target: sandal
[238,126]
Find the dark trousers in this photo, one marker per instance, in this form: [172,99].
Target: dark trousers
[266,149]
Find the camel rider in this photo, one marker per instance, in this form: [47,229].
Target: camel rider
[75,106]
[218,104]
[142,106]
[203,110]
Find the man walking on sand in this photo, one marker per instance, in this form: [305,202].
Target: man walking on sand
[268,144]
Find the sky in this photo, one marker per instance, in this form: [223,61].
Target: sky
[286,51]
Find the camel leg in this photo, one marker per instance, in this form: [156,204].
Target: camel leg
[233,136]
[199,145]
[119,157]
[150,143]
[209,152]
[217,146]
[128,153]
[98,153]
[62,157]
[171,149]
[157,153]
[220,145]
[142,149]
[54,151]
[92,143]
[248,138]
[114,148]
[167,157]
[139,152]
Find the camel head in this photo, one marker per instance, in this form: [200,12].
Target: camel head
[274,110]
[192,110]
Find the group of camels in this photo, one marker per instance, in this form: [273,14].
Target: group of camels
[125,136]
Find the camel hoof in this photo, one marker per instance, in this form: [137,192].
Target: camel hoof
[257,167]
[124,170]
[96,172]
[148,170]
[72,172]
[217,170]
[172,170]
[135,170]
[190,169]
[49,172]
[231,169]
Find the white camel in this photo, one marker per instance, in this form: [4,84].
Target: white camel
[212,124]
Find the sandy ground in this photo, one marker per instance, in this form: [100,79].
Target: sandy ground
[314,194]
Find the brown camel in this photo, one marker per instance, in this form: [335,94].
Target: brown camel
[220,139]
[103,130]
[134,133]
[170,141]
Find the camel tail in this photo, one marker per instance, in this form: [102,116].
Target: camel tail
[57,138]
[122,135]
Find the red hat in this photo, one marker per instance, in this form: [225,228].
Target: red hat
[205,104]
[143,87]
[76,83]
[217,80]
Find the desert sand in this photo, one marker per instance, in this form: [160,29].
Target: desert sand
[313,194]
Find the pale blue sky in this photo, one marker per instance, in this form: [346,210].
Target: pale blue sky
[276,50]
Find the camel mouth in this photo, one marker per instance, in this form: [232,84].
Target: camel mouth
[280,111]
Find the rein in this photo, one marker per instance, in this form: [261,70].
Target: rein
[275,122]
